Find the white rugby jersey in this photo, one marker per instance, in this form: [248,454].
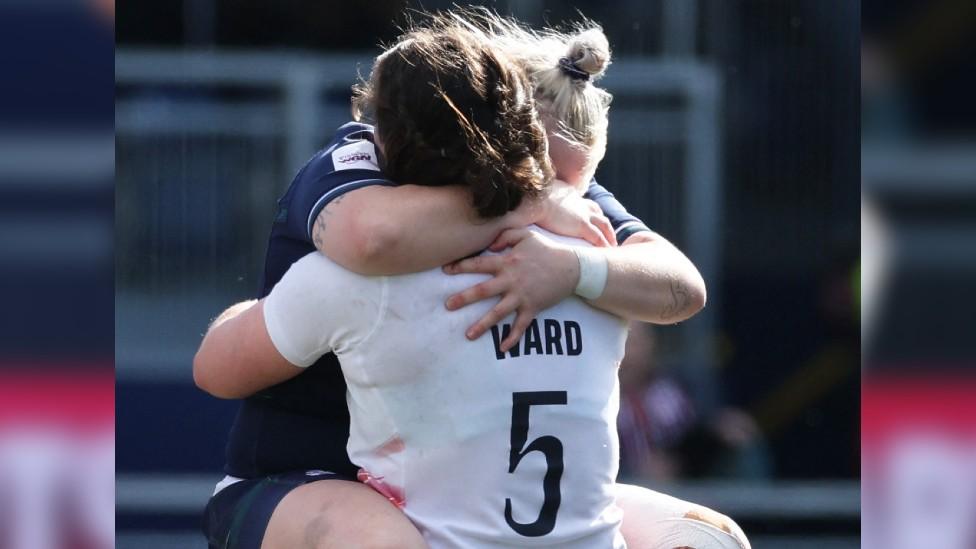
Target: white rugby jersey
[480,449]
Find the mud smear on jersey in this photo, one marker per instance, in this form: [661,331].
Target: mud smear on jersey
[393,446]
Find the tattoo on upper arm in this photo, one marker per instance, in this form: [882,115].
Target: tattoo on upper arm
[335,202]
[318,230]
[680,297]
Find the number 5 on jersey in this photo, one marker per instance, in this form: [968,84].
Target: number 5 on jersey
[550,446]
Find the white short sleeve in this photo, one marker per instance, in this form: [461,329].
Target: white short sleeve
[320,307]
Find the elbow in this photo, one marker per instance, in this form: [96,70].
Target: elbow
[201,375]
[359,243]
[697,296]
[686,297]
[372,244]
[378,242]
[206,381]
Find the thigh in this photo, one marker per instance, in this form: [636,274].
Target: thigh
[653,520]
[339,514]
[237,516]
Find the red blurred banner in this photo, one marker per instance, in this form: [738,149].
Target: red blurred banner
[79,396]
[918,445]
[57,450]
[890,406]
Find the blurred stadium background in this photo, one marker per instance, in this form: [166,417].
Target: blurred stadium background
[918,168]
[733,132]
[782,119]
[56,380]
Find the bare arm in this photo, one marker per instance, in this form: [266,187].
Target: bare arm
[381,230]
[648,280]
[237,357]
[317,307]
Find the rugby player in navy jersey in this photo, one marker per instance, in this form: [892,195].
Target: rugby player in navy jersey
[290,434]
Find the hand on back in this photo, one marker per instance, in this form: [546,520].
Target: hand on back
[533,275]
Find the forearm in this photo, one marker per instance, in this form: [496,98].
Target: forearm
[646,279]
[651,281]
[410,228]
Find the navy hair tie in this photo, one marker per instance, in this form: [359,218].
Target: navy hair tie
[572,70]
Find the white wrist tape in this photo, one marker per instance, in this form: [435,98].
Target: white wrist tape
[593,272]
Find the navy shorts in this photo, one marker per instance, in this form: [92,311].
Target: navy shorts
[237,516]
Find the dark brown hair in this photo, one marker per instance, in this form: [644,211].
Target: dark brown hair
[450,109]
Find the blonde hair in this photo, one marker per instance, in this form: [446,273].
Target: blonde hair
[562,67]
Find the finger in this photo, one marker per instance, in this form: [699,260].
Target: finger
[508,239]
[497,313]
[489,264]
[589,233]
[594,207]
[605,228]
[522,322]
[594,236]
[476,293]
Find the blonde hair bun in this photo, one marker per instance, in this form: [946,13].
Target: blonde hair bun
[589,50]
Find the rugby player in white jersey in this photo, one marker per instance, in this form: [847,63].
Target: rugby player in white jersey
[479,447]
[645,507]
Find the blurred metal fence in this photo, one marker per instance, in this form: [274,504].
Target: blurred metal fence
[206,142]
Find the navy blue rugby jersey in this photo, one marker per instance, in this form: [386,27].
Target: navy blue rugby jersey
[303,423]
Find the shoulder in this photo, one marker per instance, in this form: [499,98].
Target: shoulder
[351,150]
[321,282]
[350,161]
[624,223]
[315,271]
[329,302]
[355,130]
